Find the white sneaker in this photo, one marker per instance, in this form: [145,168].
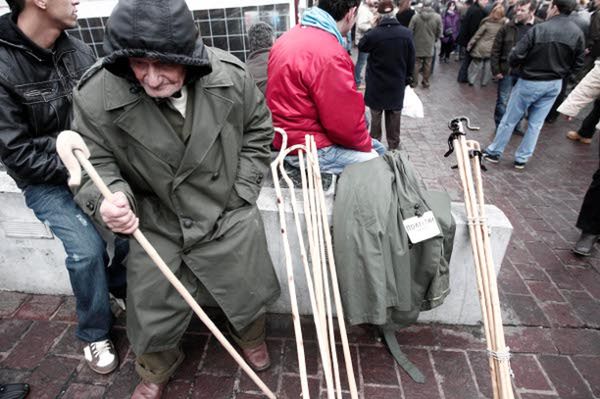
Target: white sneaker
[101,356]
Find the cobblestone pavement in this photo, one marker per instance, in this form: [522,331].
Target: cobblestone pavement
[550,298]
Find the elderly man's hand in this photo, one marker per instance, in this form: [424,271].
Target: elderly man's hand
[117,214]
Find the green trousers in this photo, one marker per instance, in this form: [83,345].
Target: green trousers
[158,367]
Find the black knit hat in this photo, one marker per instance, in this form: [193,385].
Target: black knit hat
[158,29]
[260,36]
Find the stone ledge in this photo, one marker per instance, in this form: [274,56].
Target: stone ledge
[33,263]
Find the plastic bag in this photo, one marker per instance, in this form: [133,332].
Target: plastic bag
[413,107]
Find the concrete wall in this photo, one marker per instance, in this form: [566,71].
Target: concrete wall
[32,260]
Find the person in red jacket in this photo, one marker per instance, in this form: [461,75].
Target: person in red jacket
[311,88]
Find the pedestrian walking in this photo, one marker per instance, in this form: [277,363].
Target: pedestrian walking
[426,26]
[451,27]
[480,47]
[468,26]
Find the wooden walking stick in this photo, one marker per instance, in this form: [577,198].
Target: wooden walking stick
[334,280]
[73,152]
[500,353]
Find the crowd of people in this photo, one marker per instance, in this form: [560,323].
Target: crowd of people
[182,133]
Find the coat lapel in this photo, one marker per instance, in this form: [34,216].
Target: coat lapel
[210,115]
[143,121]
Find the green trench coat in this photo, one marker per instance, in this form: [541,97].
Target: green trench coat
[196,202]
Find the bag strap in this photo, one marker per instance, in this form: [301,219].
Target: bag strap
[389,337]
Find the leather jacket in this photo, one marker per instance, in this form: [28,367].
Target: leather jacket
[549,51]
[35,102]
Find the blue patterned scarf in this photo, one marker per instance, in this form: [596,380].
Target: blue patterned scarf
[318,18]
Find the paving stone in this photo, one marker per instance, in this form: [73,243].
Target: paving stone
[417,335]
[34,345]
[377,366]
[481,367]
[49,379]
[528,374]
[311,354]
[567,257]
[342,365]
[69,344]
[460,337]
[67,310]
[178,390]
[590,280]
[14,375]
[525,308]
[217,360]
[529,340]
[510,282]
[589,367]
[269,376]
[537,396]
[362,333]
[10,302]
[210,386]
[561,315]
[531,271]
[420,358]
[545,291]
[455,376]
[84,391]
[193,347]
[376,392]
[11,331]
[39,307]
[576,341]
[586,308]
[564,279]
[244,395]
[564,377]
[291,388]
[124,382]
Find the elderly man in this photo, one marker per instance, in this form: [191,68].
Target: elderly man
[181,135]
[312,90]
[39,66]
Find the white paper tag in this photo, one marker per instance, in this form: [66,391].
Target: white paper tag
[421,228]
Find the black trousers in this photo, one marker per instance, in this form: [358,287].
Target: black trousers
[588,126]
[392,126]
[589,216]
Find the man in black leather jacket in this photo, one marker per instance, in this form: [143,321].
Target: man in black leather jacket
[548,53]
[39,66]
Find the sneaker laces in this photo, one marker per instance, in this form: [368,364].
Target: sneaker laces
[100,349]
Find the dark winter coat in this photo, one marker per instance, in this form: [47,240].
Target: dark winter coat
[470,23]
[391,62]
[426,26]
[35,102]
[505,40]
[196,201]
[257,63]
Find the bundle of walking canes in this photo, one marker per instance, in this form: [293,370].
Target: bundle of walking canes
[468,154]
[322,278]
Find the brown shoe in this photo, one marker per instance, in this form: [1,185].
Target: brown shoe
[148,390]
[258,357]
[573,135]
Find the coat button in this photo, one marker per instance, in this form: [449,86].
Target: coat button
[90,205]
[259,179]
[417,206]
[419,213]
[187,223]
[214,176]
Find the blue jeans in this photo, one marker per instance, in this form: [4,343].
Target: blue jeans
[361,61]
[333,159]
[535,96]
[505,86]
[86,260]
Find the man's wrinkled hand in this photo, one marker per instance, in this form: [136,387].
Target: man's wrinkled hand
[117,214]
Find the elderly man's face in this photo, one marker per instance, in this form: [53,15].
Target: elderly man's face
[158,79]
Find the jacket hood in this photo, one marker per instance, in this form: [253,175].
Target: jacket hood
[158,29]
[427,12]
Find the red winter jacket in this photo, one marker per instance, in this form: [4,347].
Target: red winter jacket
[311,90]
